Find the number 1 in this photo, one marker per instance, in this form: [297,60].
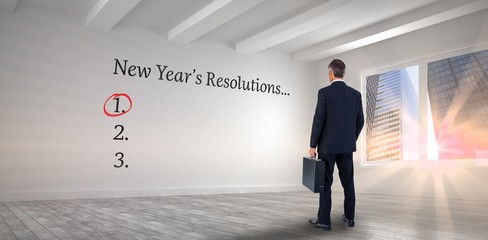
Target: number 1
[117,104]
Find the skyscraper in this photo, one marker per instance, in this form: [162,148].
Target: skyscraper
[458,93]
[391,116]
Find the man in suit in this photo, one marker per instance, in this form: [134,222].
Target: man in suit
[337,122]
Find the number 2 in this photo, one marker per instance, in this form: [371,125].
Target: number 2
[118,136]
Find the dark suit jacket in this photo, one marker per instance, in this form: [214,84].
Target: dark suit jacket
[338,119]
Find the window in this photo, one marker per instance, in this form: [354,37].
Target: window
[392,101]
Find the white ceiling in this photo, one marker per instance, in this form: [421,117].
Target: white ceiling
[308,30]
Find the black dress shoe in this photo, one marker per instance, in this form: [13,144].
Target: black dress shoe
[326,228]
[350,222]
[315,223]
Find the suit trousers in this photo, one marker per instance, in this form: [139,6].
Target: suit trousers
[346,174]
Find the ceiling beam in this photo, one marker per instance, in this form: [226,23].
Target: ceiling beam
[422,18]
[8,6]
[106,13]
[298,25]
[208,18]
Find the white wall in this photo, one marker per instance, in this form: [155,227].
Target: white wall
[55,141]
[443,179]
[184,138]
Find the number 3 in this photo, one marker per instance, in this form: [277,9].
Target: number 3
[120,155]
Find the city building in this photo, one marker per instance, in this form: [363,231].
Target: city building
[458,92]
[392,115]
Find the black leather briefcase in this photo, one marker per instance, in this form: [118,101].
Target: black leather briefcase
[313,174]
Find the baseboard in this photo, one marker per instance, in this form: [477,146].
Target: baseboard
[64,195]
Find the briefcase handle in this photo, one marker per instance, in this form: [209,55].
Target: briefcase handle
[314,158]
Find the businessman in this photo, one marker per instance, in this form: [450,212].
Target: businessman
[337,122]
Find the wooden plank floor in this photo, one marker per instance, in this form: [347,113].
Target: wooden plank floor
[241,216]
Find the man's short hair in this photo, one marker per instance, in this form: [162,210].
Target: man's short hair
[338,68]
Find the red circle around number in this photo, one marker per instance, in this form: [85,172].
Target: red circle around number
[115,95]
